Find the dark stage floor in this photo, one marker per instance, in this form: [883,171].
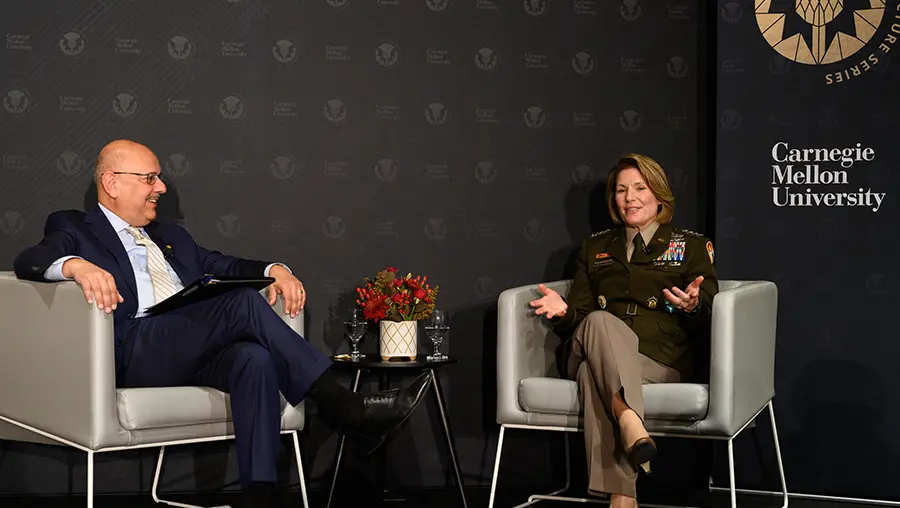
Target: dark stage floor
[477,498]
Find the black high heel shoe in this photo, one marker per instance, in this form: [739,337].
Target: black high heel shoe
[641,453]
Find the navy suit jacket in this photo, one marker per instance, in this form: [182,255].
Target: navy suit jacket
[92,237]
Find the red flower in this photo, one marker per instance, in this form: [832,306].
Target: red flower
[375,307]
[396,298]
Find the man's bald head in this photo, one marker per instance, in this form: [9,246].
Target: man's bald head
[122,183]
[114,154]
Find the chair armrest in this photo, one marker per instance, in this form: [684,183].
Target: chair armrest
[742,354]
[296,323]
[57,364]
[526,346]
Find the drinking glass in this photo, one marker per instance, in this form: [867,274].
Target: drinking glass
[355,328]
[437,326]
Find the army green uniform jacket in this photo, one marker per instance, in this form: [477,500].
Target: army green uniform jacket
[633,292]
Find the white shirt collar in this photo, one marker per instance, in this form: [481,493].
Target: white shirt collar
[117,222]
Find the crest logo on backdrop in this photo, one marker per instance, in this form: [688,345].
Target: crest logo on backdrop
[285,51]
[69,163]
[125,104]
[826,33]
[231,107]
[72,43]
[335,110]
[486,58]
[16,101]
[180,47]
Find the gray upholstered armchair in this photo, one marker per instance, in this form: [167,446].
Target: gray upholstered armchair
[57,384]
[530,394]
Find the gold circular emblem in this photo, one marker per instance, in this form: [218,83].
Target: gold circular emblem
[601,301]
[818,14]
[651,302]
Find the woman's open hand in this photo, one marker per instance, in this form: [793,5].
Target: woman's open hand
[550,305]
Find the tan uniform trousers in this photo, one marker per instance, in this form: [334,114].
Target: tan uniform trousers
[605,361]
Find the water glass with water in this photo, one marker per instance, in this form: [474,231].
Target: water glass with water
[355,328]
[437,326]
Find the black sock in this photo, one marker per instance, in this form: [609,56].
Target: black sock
[259,495]
[336,402]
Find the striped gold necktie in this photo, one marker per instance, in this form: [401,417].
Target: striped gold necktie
[163,286]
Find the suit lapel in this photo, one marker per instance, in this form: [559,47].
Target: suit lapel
[101,228]
[153,231]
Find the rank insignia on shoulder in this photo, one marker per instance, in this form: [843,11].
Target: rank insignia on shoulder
[651,302]
[711,252]
[601,301]
[690,233]
[600,233]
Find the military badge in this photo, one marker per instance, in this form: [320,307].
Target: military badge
[603,259]
[601,301]
[675,251]
[711,253]
[670,308]
[651,302]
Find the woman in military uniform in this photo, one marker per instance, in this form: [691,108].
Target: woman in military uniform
[638,312]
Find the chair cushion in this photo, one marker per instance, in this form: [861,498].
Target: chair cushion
[549,395]
[151,408]
[676,401]
[665,401]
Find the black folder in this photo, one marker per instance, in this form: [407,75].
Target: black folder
[206,287]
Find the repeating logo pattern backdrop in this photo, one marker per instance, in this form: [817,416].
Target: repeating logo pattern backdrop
[460,140]
[807,164]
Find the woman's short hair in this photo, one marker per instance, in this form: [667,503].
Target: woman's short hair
[653,174]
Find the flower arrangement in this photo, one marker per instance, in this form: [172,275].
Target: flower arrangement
[393,298]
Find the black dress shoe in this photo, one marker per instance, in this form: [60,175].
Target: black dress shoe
[386,412]
[259,495]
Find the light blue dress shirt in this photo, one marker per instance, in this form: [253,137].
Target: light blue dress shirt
[137,255]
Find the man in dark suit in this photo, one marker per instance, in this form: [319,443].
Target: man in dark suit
[126,262]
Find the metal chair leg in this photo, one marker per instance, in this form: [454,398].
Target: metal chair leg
[536,498]
[90,479]
[156,476]
[300,469]
[497,466]
[731,486]
[784,491]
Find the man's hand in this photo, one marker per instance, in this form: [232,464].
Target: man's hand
[686,300]
[288,286]
[551,304]
[98,284]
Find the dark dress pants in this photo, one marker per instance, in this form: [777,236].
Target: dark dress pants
[236,343]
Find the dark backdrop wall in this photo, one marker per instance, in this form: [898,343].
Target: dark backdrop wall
[824,230]
[462,140]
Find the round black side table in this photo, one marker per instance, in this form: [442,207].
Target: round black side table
[374,363]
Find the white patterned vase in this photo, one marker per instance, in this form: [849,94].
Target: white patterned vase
[399,340]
